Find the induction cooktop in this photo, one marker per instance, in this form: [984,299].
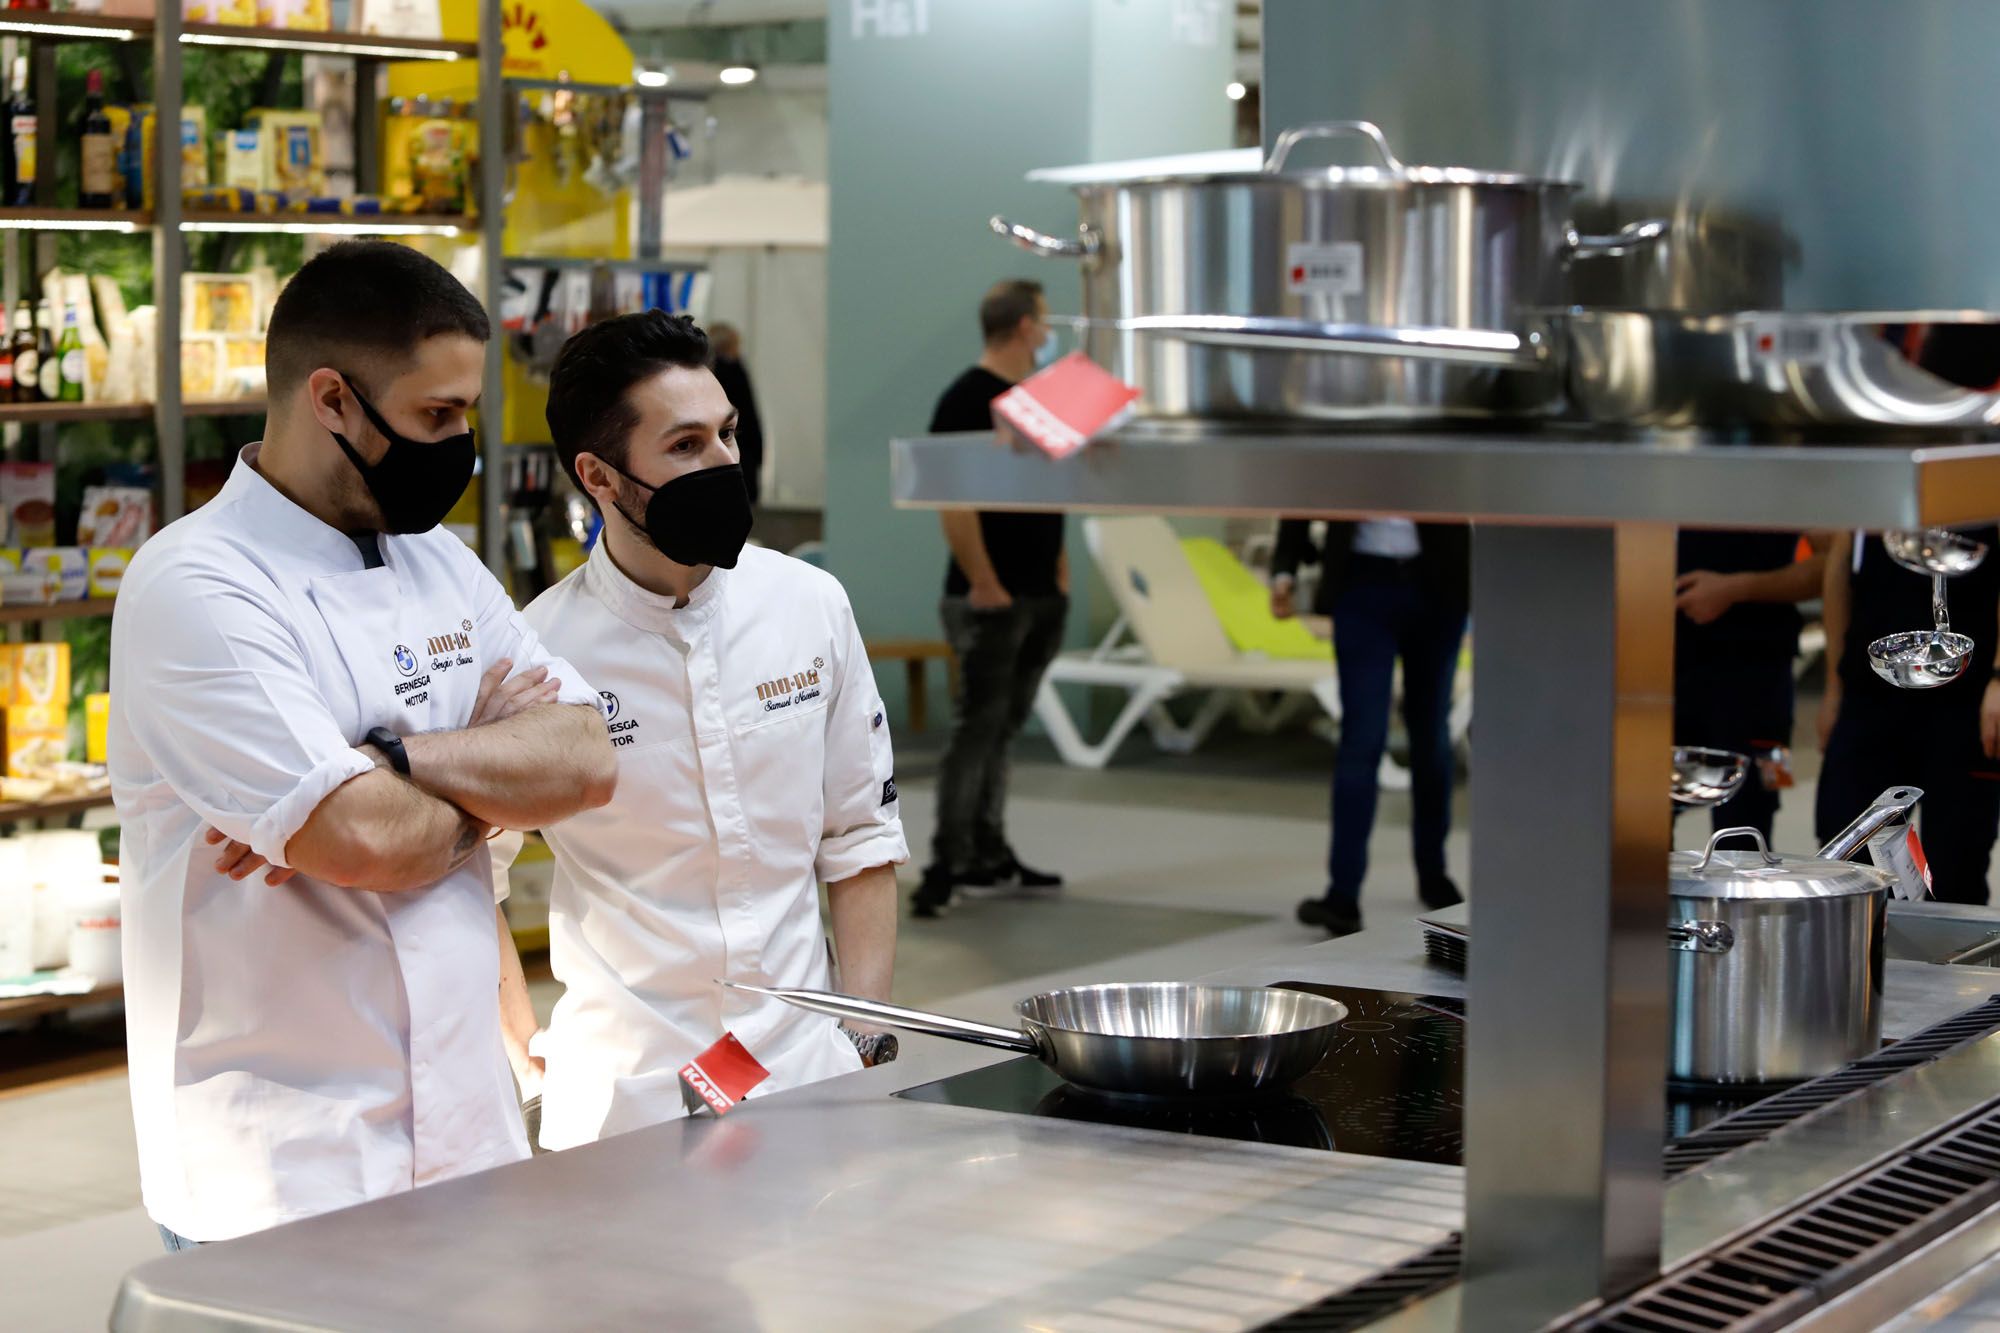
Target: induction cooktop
[1392,1085]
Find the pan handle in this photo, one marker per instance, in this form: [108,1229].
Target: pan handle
[1893,804]
[1333,129]
[895,1015]
[1701,936]
[1041,244]
[1477,347]
[1630,237]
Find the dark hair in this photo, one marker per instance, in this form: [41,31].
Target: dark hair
[358,306]
[1006,305]
[587,410]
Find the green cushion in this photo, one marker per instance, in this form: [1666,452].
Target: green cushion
[1243,605]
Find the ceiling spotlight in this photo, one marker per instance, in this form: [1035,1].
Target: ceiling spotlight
[737,74]
[1235,92]
[651,78]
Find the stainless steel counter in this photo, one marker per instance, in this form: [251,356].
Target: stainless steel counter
[838,1207]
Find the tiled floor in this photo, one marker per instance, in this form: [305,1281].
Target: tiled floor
[1177,867]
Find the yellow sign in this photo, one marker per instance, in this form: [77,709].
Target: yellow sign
[542,39]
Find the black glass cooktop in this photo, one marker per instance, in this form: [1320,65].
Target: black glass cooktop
[1391,1086]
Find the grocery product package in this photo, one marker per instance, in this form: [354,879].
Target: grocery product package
[115,516]
[28,501]
[36,738]
[97,726]
[66,566]
[107,569]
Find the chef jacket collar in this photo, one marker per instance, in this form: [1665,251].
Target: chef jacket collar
[650,611]
[282,524]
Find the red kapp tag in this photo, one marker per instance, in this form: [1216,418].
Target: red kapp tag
[723,1073]
[1064,407]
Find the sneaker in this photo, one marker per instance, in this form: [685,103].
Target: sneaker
[1006,878]
[1335,920]
[933,895]
[1440,893]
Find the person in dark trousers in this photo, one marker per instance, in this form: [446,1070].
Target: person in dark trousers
[1944,740]
[1735,643]
[727,345]
[1395,589]
[1006,596]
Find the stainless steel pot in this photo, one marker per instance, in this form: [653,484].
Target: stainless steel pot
[1221,295]
[1154,1039]
[1913,370]
[1777,962]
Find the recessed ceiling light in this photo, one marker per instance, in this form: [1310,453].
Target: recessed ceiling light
[737,74]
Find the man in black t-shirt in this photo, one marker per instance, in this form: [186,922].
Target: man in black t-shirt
[1735,644]
[1006,596]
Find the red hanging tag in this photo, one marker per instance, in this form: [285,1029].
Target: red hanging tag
[723,1074]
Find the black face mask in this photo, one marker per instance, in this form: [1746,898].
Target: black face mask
[698,518]
[418,481]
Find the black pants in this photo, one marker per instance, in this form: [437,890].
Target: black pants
[1882,740]
[1740,700]
[1002,656]
[1379,617]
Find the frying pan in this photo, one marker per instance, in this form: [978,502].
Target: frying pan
[1155,1039]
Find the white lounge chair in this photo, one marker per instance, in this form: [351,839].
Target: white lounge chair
[1168,641]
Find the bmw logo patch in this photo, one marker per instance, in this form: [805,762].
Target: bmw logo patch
[406,661]
[608,703]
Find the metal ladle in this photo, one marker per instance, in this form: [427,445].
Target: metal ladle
[1704,777]
[1925,659]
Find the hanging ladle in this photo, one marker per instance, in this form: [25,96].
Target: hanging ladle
[1923,659]
[1704,777]
[1938,552]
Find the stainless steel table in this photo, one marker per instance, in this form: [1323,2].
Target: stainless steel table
[838,1207]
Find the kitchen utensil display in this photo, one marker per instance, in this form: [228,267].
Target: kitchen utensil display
[1925,659]
[1914,370]
[1153,1039]
[1704,777]
[1221,294]
[1777,960]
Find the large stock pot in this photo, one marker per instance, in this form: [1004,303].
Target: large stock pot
[1344,293]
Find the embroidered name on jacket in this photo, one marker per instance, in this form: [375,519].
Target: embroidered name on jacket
[788,690]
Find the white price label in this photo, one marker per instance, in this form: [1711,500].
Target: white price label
[1898,850]
[1324,269]
[1800,344]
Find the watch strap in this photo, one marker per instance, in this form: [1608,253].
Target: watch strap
[390,744]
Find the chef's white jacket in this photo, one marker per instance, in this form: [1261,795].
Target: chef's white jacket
[301,1048]
[753,766]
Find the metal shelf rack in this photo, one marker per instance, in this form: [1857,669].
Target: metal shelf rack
[1572,594]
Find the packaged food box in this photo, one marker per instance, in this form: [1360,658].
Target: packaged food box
[243,160]
[28,500]
[438,159]
[40,673]
[67,565]
[201,366]
[107,569]
[119,516]
[36,738]
[229,13]
[96,726]
[291,147]
[36,588]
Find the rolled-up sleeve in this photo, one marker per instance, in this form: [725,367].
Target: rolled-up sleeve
[216,691]
[864,820]
[505,633]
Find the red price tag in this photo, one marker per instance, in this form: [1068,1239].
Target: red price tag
[1063,408]
[723,1074]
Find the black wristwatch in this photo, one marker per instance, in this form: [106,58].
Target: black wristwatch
[389,743]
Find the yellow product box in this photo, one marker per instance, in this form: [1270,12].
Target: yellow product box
[41,675]
[66,568]
[243,160]
[96,726]
[37,738]
[107,569]
[291,150]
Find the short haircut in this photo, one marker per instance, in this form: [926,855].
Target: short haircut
[588,412]
[359,307]
[1006,305]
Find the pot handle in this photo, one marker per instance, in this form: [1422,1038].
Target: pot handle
[836,1005]
[1333,129]
[1893,804]
[1701,936]
[1477,347]
[1771,858]
[1632,236]
[1085,246]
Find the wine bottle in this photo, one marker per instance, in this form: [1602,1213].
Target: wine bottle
[27,356]
[45,353]
[100,150]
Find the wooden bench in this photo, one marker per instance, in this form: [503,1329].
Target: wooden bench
[916,656]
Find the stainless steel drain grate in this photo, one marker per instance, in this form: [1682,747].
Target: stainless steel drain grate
[1740,1288]
[1775,1274]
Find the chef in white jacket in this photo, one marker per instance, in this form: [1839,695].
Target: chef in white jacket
[753,756]
[321,704]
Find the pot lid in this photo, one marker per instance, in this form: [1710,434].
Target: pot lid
[1762,874]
